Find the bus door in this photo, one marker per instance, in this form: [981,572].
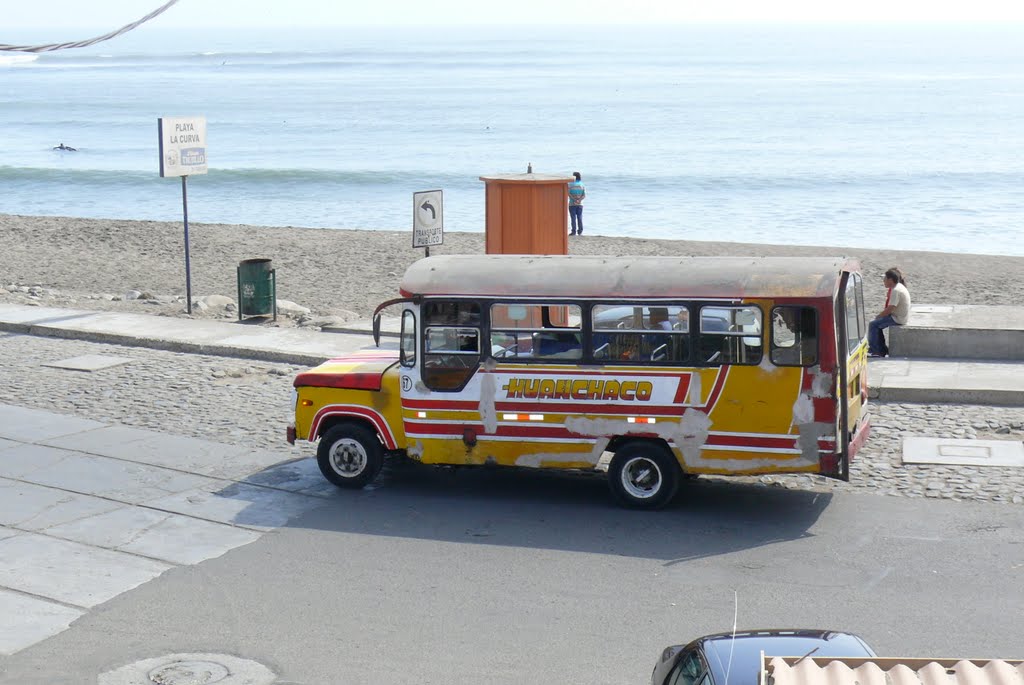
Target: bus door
[801,343]
[853,345]
[440,364]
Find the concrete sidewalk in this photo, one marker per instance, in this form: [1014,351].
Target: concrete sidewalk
[89,510]
[247,340]
[891,379]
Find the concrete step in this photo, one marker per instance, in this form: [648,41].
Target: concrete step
[946,380]
[960,332]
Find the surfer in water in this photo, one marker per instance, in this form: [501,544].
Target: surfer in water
[62,146]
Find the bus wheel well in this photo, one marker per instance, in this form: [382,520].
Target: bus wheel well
[333,421]
[619,440]
[615,443]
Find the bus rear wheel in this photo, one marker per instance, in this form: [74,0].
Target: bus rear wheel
[644,475]
[350,455]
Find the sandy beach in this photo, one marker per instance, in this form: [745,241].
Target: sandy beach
[92,263]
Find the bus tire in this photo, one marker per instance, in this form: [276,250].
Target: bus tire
[350,455]
[643,474]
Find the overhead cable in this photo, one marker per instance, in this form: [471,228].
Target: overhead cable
[90,41]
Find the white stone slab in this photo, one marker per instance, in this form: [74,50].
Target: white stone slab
[88,362]
[35,507]
[8,533]
[299,475]
[28,620]
[106,441]
[172,451]
[8,444]
[254,461]
[123,481]
[963,452]
[70,572]
[240,504]
[170,537]
[26,459]
[213,459]
[35,425]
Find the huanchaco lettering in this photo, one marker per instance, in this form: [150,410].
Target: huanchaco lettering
[578,389]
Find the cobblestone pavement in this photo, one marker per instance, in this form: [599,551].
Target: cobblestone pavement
[247,403]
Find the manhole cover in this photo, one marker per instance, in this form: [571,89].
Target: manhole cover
[190,669]
[963,452]
[189,673]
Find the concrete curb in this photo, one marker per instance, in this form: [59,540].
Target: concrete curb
[215,350]
[985,396]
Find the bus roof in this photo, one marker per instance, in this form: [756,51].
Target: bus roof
[561,276]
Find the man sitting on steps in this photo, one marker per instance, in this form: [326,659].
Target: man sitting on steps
[895,313]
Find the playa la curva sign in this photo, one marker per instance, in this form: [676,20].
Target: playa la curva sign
[182,145]
[183,153]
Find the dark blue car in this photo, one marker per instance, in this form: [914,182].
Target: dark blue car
[728,659]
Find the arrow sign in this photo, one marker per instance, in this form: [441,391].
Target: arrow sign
[427,218]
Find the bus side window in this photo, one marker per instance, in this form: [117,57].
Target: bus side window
[407,352]
[794,336]
[856,328]
[644,333]
[730,335]
[533,332]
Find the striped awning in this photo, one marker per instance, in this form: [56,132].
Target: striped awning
[890,671]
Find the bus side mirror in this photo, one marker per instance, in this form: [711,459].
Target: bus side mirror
[376,329]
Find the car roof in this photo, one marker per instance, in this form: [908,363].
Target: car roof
[745,650]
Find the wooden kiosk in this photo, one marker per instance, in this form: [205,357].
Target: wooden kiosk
[527,214]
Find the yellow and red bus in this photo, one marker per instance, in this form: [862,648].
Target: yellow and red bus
[668,366]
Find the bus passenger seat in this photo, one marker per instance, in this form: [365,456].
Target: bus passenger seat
[602,346]
[551,344]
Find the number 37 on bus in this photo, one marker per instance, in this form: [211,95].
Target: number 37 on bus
[650,368]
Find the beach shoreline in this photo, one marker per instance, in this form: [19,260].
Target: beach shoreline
[344,273]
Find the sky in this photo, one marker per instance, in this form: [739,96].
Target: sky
[74,17]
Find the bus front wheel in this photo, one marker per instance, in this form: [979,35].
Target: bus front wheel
[644,474]
[350,455]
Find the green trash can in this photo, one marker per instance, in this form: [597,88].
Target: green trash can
[257,288]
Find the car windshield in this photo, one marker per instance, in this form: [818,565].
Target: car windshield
[746,651]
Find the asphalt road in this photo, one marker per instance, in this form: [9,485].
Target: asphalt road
[438,576]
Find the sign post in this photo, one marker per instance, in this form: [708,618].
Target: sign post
[183,152]
[427,219]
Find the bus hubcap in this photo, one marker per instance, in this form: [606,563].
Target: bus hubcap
[641,478]
[348,458]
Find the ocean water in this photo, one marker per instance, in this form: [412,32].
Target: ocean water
[890,137]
